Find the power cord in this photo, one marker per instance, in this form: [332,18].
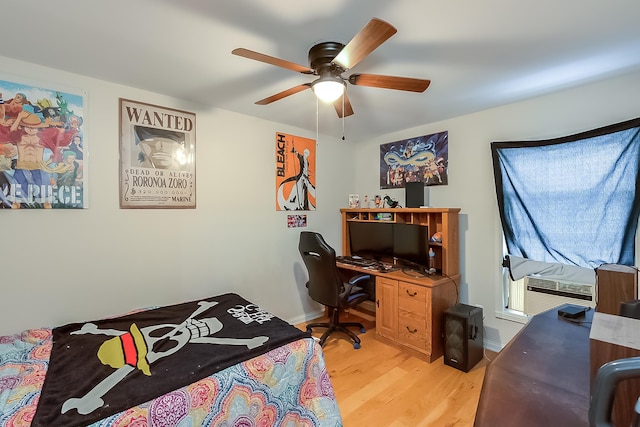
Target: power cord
[417,275]
[484,353]
[421,275]
[455,286]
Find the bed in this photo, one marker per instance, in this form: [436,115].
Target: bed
[221,361]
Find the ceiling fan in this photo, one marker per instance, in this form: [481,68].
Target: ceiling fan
[329,60]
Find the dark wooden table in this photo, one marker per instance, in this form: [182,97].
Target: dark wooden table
[541,378]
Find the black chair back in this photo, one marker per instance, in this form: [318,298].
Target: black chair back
[325,282]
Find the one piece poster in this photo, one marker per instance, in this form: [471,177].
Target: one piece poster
[157,156]
[295,173]
[420,159]
[43,151]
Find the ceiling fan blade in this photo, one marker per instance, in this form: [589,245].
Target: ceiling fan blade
[246,53]
[390,82]
[348,110]
[366,41]
[283,94]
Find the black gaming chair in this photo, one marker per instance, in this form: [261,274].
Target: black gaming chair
[327,287]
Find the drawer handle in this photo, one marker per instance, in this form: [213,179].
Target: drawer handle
[411,294]
[410,331]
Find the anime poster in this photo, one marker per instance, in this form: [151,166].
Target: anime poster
[157,156]
[420,159]
[42,148]
[295,173]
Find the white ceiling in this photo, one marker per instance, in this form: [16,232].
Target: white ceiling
[477,54]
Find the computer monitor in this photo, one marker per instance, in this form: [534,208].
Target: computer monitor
[371,239]
[411,243]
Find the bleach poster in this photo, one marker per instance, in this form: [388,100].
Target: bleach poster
[295,173]
[42,148]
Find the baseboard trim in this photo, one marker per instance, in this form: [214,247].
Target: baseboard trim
[306,317]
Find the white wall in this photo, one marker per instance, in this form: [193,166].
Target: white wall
[471,182]
[61,266]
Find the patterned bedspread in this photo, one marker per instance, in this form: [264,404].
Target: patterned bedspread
[288,386]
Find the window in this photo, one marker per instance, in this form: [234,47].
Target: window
[571,200]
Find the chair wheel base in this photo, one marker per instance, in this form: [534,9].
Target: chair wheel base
[336,326]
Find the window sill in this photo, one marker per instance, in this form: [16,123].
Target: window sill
[512,315]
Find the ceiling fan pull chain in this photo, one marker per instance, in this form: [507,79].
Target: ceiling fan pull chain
[343,116]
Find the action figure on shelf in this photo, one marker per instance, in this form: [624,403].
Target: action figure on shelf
[392,203]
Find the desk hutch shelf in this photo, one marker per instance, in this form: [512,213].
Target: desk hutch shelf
[443,220]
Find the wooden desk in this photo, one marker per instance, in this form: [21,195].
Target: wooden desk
[409,311]
[541,378]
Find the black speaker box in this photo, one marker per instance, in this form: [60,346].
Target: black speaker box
[463,336]
[414,192]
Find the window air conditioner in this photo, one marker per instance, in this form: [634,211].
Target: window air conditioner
[544,294]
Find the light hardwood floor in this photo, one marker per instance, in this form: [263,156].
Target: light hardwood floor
[380,385]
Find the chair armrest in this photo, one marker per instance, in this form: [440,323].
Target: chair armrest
[359,278]
[604,387]
[352,287]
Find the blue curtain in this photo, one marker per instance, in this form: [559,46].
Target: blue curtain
[572,200]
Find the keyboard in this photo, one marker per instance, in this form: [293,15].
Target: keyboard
[357,261]
[368,264]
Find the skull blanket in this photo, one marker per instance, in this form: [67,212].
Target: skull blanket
[103,367]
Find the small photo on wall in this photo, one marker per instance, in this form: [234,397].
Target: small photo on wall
[419,159]
[296,221]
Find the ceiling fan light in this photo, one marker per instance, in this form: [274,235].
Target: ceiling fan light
[328,89]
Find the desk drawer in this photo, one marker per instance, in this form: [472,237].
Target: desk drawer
[412,331]
[414,307]
[412,299]
[416,292]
